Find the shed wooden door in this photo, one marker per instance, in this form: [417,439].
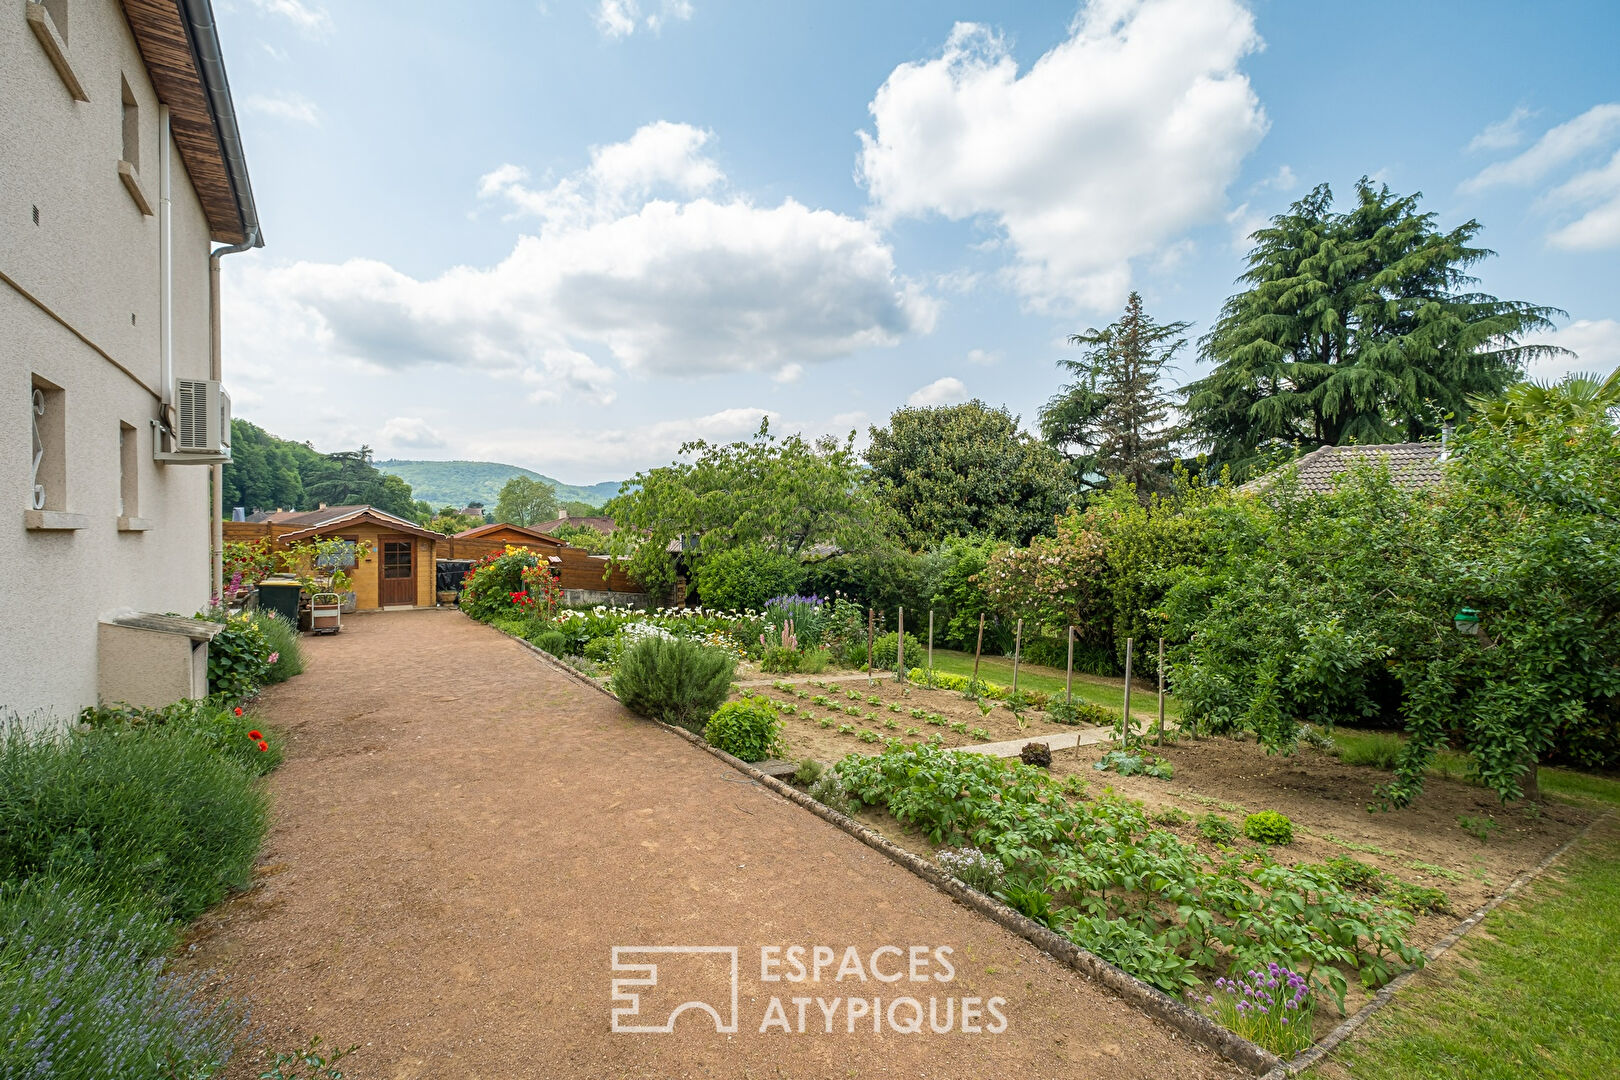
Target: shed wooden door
[398,573]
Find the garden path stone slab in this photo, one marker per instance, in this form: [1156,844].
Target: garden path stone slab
[1065,740]
[463,834]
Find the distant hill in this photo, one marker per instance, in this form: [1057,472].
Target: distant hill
[457,483]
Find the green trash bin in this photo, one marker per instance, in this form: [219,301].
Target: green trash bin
[281,596]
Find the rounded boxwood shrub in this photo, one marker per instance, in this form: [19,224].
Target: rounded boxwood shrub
[1268,827]
[675,680]
[886,649]
[745,729]
[554,642]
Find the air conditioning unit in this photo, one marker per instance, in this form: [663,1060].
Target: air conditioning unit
[201,432]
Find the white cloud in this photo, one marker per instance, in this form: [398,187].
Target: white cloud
[1505,134]
[613,277]
[1595,343]
[607,451]
[790,373]
[312,19]
[621,18]
[411,433]
[1107,148]
[1282,180]
[983,357]
[1244,222]
[944,391]
[1596,194]
[1592,129]
[292,107]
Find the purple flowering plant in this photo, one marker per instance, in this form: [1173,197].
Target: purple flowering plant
[1270,1006]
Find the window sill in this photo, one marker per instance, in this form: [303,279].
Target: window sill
[54,521]
[133,524]
[132,184]
[39,20]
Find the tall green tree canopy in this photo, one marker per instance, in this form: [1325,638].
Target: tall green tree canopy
[965,470]
[267,473]
[781,495]
[1113,419]
[526,501]
[1355,326]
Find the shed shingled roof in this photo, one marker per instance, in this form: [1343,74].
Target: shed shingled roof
[1413,464]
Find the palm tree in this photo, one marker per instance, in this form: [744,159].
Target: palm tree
[1577,400]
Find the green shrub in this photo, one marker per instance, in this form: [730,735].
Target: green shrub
[236,737]
[1416,898]
[138,811]
[282,638]
[1353,874]
[1268,827]
[1079,712]
[813,661]
[554,642]
[748,729]
[673,679]
[1170,815]
[743,578]
[238,659]
[602,650]
[1216,829]
[779,658]
[86,994]
[810,770]
[1376,749]
[490,584]
[886,647]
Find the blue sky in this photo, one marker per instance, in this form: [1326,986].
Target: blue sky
[571,235]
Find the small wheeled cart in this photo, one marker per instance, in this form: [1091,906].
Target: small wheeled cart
[325,613]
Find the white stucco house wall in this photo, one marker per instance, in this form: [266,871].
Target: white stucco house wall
[120,168]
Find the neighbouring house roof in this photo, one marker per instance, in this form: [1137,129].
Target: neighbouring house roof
[322,522]
[529,531]
[1416,464]
[180,44]
[603,525]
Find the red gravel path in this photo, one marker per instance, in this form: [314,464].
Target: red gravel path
[463,835]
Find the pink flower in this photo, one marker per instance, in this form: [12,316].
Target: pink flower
[274,657]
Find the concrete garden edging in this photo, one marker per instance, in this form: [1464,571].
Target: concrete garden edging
[1157,1004]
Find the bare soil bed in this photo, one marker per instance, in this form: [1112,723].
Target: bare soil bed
[1328,803]
[812,729]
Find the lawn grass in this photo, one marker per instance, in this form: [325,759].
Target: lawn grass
[1109,693]
[1530,993]
[1378,749]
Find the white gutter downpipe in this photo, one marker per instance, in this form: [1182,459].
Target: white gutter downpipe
[165,275]
[216,370]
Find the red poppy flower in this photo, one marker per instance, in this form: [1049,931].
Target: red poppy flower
[255,736]
[239,710]
[264,746]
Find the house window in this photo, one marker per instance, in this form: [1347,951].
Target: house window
[337,554]
[129,472]
[49,21]
[132,125]
[46,411]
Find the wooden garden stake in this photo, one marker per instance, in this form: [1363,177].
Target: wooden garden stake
[930,642]
[870,626]
[1125,729]
[1068,680]
[978,648]
[1018,647]
[1161,691]
[900,647]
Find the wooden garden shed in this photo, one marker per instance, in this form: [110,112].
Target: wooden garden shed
[397,572]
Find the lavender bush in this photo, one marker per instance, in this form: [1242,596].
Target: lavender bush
[1271,1007]
[84,994]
